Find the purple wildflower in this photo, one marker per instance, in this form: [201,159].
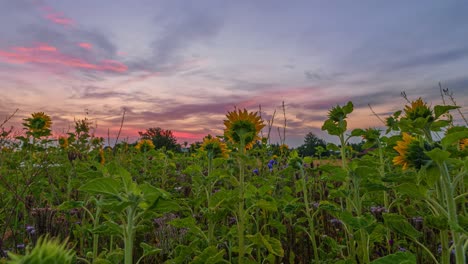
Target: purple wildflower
[271,163]
[30,230]
[20,246]
[255,171]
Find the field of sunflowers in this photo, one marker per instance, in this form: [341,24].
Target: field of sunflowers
[236,199]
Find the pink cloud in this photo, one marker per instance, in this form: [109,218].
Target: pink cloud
[50,55]
[85,45]
[55,16]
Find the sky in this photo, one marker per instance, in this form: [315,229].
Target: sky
[182,65]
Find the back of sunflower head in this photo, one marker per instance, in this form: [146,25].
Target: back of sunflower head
[47,251]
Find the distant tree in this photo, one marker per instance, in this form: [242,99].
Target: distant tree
[161,138]
[195,146]
[311,142]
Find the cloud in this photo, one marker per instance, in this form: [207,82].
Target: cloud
[48,55]
[53,15]
[181,25]
[85,45]
[431,59]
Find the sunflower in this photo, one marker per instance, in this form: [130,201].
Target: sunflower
[411,152]
[417,109]
[243,126]
[214,147]
[63,142]
[39,124]
[102,158]
[145,145]
[464,144]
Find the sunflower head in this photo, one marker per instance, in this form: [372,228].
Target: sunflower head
[464,144]
[145,145]
[411,152]
[417,109]
[101,157]
[214,147]
[63,142]
[283,148]
[38,124]
[243,127]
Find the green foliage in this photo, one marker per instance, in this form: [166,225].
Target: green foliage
[46,251]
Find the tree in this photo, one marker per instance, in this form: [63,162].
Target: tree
[311,142]
[161,138]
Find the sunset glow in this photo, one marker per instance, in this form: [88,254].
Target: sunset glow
[182,66]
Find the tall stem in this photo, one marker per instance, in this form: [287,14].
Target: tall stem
[309,216]
[129,233]
[452,213]
[241,216]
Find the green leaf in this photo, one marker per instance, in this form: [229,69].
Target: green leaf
[273,245]
[210,255]
[453,138]
[357,132]
[399,224]
[412,190]
[348,108]
[397,258]
[106,186]
[356,222]
[70,205]
[440,222]
[148,250]
[108,228]
[439,110]
[438,155]
[267,205]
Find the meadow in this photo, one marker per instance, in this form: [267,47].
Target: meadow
[238,199]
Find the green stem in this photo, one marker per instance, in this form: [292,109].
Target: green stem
[128,235]
[309,215]
[241,216]
[452,214]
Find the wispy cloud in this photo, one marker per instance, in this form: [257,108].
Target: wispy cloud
[48,55]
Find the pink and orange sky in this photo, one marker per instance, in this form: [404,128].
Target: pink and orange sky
[181,65]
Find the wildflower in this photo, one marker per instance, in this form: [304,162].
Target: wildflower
[38,124]
[411,152]
[30,230]
[402,249]
[215,147]
[271,163]
[335,221]
[63,142]
[378,209]
[243,127]
[418,109]
[20,246]
[255,171]
[145,145]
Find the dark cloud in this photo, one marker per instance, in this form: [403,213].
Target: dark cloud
[430,60]
[181,24]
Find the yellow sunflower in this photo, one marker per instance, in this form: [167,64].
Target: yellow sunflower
[418,108]
[145,145]
[102,158]
[63,142]
[243,126]
[464,143]
[214,147]
[402,149]
[39,123]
